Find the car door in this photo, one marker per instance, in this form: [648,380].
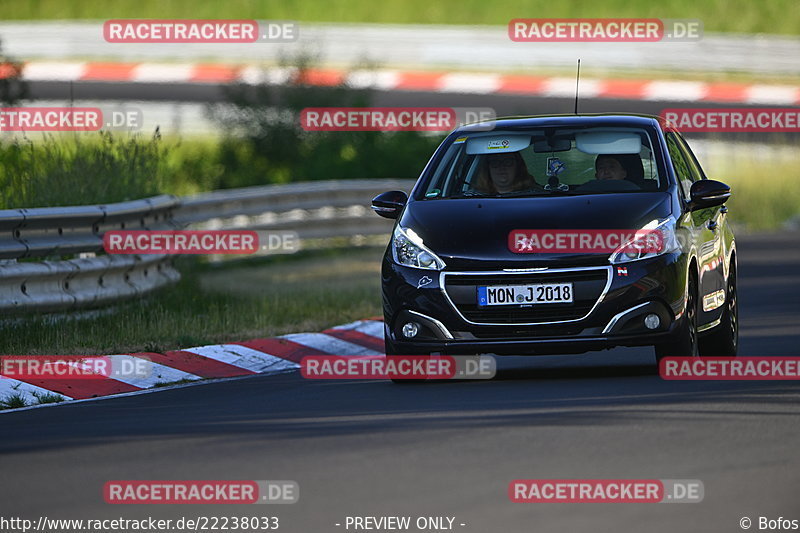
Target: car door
[718,216]
[707,227]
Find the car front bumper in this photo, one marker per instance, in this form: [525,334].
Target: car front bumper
[613,316]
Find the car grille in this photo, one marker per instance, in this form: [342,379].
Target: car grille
[588,285]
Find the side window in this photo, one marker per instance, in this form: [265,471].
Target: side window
[443,178]
[684,172]
[694,165]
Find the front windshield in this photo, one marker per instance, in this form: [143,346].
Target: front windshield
[546,161]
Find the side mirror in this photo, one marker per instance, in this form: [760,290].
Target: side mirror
[389,204]
[708,193]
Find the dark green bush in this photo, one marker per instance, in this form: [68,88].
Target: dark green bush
[264,142]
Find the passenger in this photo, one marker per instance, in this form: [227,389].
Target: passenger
[506,173]
[619,167]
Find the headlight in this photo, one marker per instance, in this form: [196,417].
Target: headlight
[643,247]
[408,250]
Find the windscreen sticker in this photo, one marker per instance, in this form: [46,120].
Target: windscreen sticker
[460,140]
[498,145]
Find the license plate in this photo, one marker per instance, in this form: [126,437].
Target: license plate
[540,293]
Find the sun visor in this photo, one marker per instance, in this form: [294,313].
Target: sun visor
[608,142]
[497,144]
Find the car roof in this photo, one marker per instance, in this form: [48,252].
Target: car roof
[572,120]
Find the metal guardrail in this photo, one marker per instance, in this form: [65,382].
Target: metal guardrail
[315,210]
[51,258]
[49,261]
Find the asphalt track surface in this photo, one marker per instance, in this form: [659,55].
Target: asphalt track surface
[447,449]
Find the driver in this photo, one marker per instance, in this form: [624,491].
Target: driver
[620,167]
[507,172]
[609,167]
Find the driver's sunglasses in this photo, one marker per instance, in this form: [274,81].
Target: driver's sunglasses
[506,162]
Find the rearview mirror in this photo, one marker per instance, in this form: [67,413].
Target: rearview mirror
[389,204]
[551,145]
[708,193]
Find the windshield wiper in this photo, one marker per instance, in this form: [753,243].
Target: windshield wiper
[474,193]
[521,194]
[515,194]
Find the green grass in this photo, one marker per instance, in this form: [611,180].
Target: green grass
[13,401]
[234,302]
[764,196]
[764,180]
[93,168]
[48,397]
[54,171]
[172,383]
[17,400]
[769,16]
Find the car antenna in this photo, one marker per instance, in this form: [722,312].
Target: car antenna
[577,82]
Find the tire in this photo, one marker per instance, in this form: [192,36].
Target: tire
[686,343]
[723,341]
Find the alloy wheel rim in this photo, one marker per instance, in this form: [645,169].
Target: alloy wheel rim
[691,315]
[733,309]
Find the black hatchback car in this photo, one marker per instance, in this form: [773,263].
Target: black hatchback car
[460,275]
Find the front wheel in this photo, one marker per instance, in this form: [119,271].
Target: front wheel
[724,340]
[686,344]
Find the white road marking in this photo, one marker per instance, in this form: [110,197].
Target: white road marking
[244,357]
[469,83]
[272,76]
[159,73]
[45,71]
[566,87]
[328,344]
[372,328]
[140,372]
[144,374]
[769,94]
[380,79]
[10,387]
[688,91]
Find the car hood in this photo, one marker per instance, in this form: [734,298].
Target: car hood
[473,233]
